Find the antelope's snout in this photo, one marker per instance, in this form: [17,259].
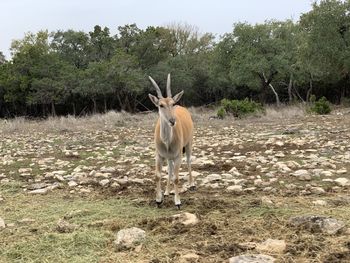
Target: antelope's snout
[172,121]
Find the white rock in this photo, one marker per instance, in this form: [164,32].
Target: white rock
[323,224]
[239,181]
[271,246]
[39,191]
[107,169]
[72,184]
[129,237]
[2,223]
[302,175]
[185,218]
[234,171]
[104,182]
[25,170]
[213,177]
[266,201]
[257,258]
[342,181]
[317,190]
[342,171]
[326,173]
[235,188]
[258,182]
[320,202]
[189,257]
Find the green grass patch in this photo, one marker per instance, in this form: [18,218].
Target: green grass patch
[97,219]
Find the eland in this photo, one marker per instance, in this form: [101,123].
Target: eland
[173,134]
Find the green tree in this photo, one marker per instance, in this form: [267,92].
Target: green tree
[260,53]
[2,58]
[72,46]
[127,79]
[327,30]
[94,83]
[102,44]
[186,39]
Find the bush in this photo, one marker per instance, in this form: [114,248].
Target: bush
[221,113]
[238,108]
[312,99]
[322,106]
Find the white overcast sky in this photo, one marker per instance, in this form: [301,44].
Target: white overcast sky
[215,16]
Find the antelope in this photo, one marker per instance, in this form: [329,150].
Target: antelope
[173,134]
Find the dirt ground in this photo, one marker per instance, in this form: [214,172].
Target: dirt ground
[98,175]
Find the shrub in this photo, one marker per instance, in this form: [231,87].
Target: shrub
[322,106]
[221,113]
[312,98]
[238,108]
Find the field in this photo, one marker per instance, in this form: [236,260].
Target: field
[68,185]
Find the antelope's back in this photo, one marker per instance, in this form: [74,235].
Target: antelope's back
[183,117]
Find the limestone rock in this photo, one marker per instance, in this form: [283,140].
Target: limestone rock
[41,191]
[189,257]
[320,202]
[185,218]
[271,246]
[2,223]
[129,237]
[64,226]
[342,181]
[235,188]
[104,182]
[255,258]
[302,175]
[316,223]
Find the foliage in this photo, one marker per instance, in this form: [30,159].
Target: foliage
[238,108]
[76,72]
[221,113]
[322,106]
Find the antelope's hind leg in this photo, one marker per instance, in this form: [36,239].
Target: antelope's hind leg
[188,149]
[159,195]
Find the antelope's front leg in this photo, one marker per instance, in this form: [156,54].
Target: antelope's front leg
[170,176]
[159,163]
[177,164]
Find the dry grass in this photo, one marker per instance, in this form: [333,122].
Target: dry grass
[70,124]
[114,119]
[284,112]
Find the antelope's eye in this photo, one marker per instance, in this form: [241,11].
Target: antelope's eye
[161,105]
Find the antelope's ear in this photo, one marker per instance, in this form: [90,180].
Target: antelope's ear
[178,96]
[154,99]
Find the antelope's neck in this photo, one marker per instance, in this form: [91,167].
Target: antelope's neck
[166,133]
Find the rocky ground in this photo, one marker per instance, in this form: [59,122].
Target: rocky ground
[274,188]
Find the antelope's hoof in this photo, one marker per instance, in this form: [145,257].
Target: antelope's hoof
[159,204]
[178,207]
[192,188]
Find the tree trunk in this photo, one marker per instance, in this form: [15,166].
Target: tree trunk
[95,106]
[290,86]
[74,109]
[43,109]
[309,91]
[105,103]
[276,95]
[297,95]
[53,110]
[122,105]
[268,84]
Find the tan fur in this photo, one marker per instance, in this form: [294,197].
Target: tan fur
[183,131]
[173,132]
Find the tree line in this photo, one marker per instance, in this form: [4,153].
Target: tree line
[74,72]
